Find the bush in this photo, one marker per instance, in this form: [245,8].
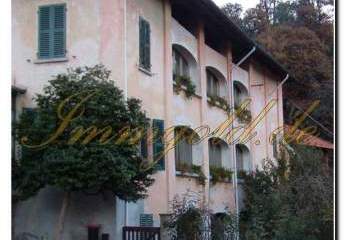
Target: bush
[289,200]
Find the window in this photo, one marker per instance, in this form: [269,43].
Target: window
[144,44]
[146,220]
[52,31]
[242,158]
[240,94]
[237,93]
[183,148]
[180,65]
[215,153]
[212,84]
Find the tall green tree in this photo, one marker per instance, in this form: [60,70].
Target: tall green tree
[78,159]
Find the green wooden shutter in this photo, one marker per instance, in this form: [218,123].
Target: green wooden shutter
[44,49]
[147,46]
[59,37]
[141,42]
[143,146]
[158,143]
[146,220]
[52,31]
[144,44]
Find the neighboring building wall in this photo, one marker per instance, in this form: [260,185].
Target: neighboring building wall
[39,216]
[96,33]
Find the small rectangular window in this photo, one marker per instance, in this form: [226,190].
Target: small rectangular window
[146,220]
[144,44]
[52,31]
[183,150]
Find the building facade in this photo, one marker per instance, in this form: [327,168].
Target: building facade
[155,49]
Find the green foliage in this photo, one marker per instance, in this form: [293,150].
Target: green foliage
[184,83]
[223,226]
[191,218]
[219,102]
[244,116]
[234,11]
[289,200]
[187,217]
[188,225]
[220,174]
[91,167]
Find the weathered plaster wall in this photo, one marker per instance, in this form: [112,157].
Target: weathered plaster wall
[222,197]
[39,215]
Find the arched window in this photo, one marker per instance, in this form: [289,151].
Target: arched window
[185,67]
[243,158]
[212,84]
[240,93]
[185,139]
[180,65]
[215,152]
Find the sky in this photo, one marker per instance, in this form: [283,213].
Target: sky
[245,3]
[252,3]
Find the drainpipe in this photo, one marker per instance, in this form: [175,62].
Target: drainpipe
[233,151]
[125,46]
[246,56]
[233,146]
[279,85]
[126,80]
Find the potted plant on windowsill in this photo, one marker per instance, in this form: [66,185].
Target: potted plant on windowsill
[184,83]
[218,102]
[192,170]
[244,115]
[220,174]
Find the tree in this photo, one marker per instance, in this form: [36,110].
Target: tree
[92,154]
[285,13]
[307,59]
[234,12]
[255,21]
[300,50]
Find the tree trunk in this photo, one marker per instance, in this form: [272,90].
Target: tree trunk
[61,221]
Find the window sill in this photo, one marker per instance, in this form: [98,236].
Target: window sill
[221,181]
[144,70]
[186,174]
[51,60]
[217,104]
[184,89]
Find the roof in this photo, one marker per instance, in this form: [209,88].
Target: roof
[211,13]
[311,140]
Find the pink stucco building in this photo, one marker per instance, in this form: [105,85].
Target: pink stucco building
[148,45]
